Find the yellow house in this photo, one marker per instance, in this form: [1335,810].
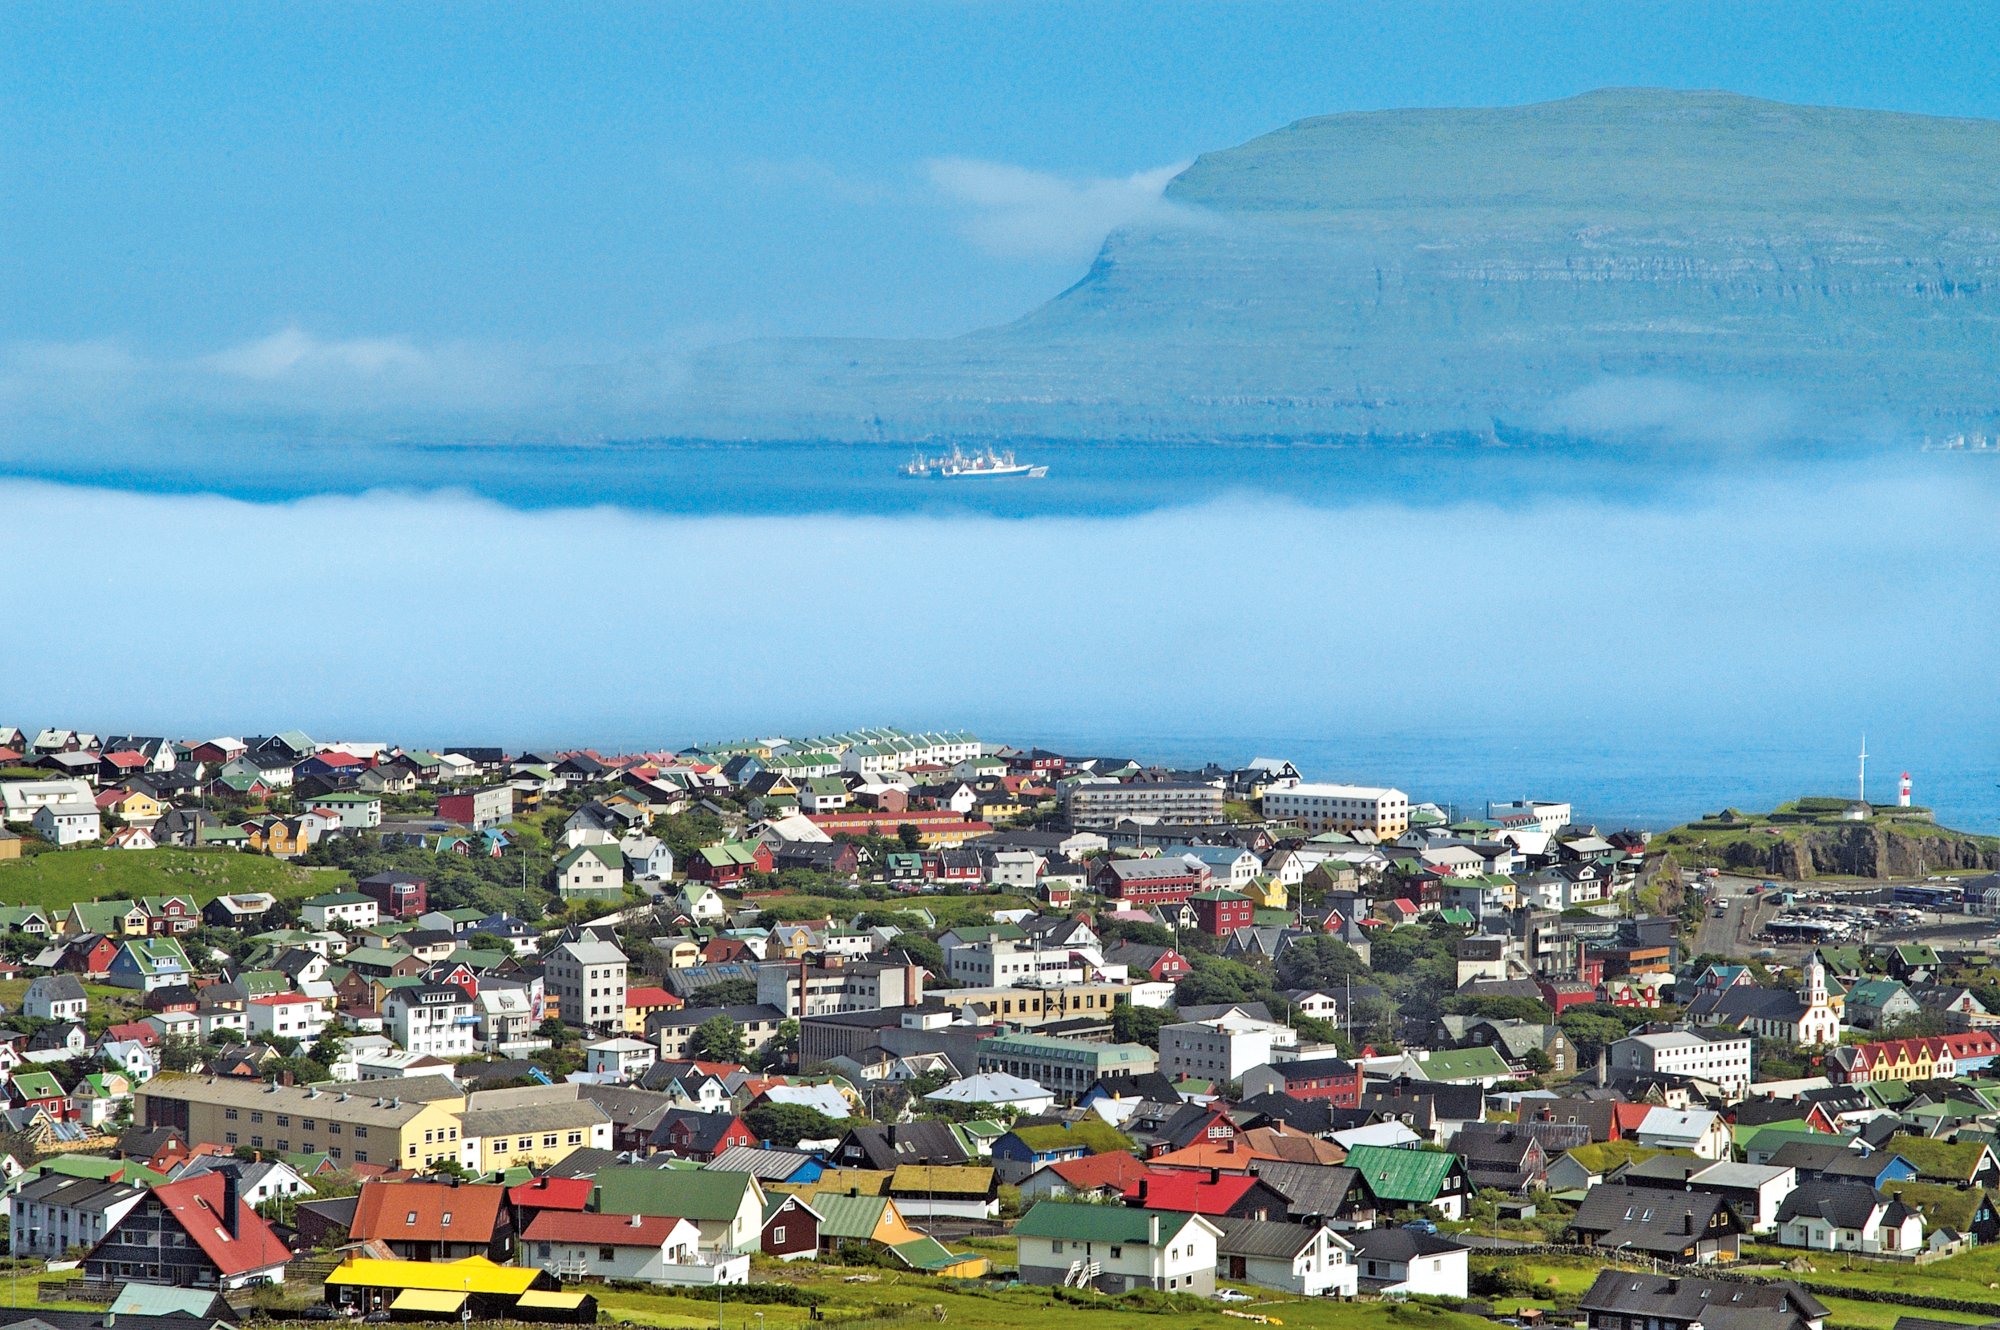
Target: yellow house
[789,942]
[280,837]
[682,954]
[1001,807]
[136,807]
[1268,893]
[643,1002]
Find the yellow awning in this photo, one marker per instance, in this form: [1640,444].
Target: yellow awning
[427,1300]
[568,1302]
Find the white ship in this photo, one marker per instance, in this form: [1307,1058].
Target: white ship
[982,465]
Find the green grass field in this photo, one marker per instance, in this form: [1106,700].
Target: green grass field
[58,879]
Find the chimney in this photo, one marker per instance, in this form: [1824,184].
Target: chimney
[1152,1230]
[1215,1177]
[1142,1191]
[229,1200]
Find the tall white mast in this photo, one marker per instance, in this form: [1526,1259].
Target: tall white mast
[1863,794]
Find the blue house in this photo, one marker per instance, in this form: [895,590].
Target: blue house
[1024,1149]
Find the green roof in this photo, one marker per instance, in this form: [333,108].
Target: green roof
[37,1085]
[842,1216]
[1601,1157]
[1916,954]
[1938,1161]
[697,1194]
[608,855]
[728,853]
[1414,1177]
[1464,1064]
[1094,1135]
[158,1300]
[1873,992]
[1074,1222]
[925,1254]
[1951,1207]
[262,983]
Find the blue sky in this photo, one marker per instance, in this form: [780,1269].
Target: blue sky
[604,181]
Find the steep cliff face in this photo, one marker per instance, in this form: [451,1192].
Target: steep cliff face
[1860,851]
[1542,270]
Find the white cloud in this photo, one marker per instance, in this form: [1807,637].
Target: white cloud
[292,351]
[1645,636]
[1020,213]
[1674,411]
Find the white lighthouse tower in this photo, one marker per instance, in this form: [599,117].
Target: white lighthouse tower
[1903,791]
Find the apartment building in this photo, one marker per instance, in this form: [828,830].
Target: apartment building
[1066,1066]
[1025,963]
[1222,1049]
[410,1123]
[1724,1059]
[1094,807]
[587,980]
[1322,807]
[804,989]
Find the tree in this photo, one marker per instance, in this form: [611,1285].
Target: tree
[1137,1025]
[1509,1008]
[788,1124]
[730,993]
[554,1031]
[1320,962]
[783,1050]
[1590,1032]
[179,1053]
[911,838]
[717,1039]
[1537,1061]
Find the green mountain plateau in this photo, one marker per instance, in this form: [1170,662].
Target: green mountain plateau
[1628,262]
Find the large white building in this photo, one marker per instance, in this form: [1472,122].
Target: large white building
[1724,1059]
[436,1019]
[1222,1049]
[1547,817]
[1321,807]
[587,980]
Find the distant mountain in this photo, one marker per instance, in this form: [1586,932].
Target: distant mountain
[1620,262]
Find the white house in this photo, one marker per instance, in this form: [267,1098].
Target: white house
[625,1059]
[1403,1262]
[1721,1058]
[286,1014]
[998,1089]
[1014,869]
[20,798]
[1699,1130]
[647,856]
[1308,1259]
[651,1249]
[1848,1216]
[1116,1249]
[430,1018]
[346,909]
[56,997]
[67,823]
[258,1182]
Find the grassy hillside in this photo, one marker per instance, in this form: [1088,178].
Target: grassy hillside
[59,878]
[1812,836]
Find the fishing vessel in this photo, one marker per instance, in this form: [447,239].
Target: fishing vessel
[985,464]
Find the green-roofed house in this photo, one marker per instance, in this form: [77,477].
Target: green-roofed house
[1968,1210]
[586,871]
[1463,1066]
[1952,1163]
[147,963]
[1585,1166]
[1020,1152]
[1402,1179]
[341,910]
[137,1299]
[728,1208]
[1875,1004]
[1115,1248]
[934,1258]
[114,919]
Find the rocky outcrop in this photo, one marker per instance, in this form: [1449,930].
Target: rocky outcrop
[1861,850]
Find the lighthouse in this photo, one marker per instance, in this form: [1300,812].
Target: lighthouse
[1903,791]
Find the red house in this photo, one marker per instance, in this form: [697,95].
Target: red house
[792,1229]
[1152,881]
[731,861]
[1221,912]
[1334,1080]
[696,1135]
[400,895]
[1562,994]
[91,954]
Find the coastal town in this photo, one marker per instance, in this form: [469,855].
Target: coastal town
[305,1029]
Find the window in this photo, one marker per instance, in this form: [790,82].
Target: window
[256,1116]
[605,1253]
[229,1113]
[230,1139]
[284,1119]
[361,1131]
[778,1235]
[1117,1252]
[410,1218]
[445,1222]
[333,1128]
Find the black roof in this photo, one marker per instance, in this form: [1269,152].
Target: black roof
[1718,1305]
[1649,1219]
[1845,1204]
[1401,1245]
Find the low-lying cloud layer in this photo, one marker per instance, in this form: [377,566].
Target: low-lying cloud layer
[432,617]
[1016,212]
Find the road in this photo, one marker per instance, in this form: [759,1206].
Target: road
[1734,931]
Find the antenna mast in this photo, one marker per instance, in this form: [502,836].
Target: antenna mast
[1862,793]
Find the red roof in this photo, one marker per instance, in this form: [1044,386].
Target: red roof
[1114,1168]
[196,1204]
[650,997]
[552,1194]
[139,1030]
[415,1211]
[609,1230]
[125,759]
[279,1000]
[1191,1193]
